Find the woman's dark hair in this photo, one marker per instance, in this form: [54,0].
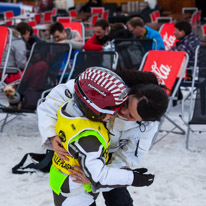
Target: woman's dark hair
[120,34]
[184,26]
[152,101]
[134,77]
[117,26]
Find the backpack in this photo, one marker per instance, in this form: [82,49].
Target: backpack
[130,54]
[39,162]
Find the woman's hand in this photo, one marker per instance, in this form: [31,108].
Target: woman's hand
[79,175]
[58,148]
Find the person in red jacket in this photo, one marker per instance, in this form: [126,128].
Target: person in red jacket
[100,36]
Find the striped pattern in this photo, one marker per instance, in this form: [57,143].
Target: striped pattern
[107,80]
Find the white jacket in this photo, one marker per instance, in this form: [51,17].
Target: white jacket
[137,138]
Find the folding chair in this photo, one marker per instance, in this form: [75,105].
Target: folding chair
[203,30]
[97,10]
[163,19]
[8,17]
[85,59]
[5,43]
[72,13]
[105,14]
[47,17]
[37,18]
[54,12]
[197,104]
[147,44]
[167,33]
[40,75]
[168,66]
[89,26]
[190,10]
[32,24]
[154,15]
[64,19]
[198,18]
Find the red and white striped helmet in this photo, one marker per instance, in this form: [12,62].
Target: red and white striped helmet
[100,90]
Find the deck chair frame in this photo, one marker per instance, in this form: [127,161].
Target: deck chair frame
[93,54]
[144,42]
[198,90]
[173,93]
[6,41]
[65,57]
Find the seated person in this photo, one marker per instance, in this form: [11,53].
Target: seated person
[137,27]
[188,41]
[119,31]
[100,36]
[62,35]
[17,57]
[26,32]
[46,5]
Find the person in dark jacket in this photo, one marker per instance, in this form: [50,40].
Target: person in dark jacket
[27,35]
[188,41]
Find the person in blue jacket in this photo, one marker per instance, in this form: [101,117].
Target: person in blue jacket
[139,30]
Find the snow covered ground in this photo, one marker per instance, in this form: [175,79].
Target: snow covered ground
[180,175]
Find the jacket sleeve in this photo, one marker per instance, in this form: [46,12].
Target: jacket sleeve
[88,150]
[47,111]
[93,44]
[75,44]
[138,144]
[160,43]
[19,49]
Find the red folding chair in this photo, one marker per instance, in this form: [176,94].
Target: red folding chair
[5,42]
[89,25]
[167,33]
[73,13]
[54,12]
[203,29]
[78,26]
[97,10]
[37,18]
[64,19]
[154,15]
[47,17]
[32,24]
[198,18]
[169,67]
[105,14]
[8,15]
[157,13]
[193,19]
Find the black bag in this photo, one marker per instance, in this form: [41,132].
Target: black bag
[30,98]
[130,54]
[41,162]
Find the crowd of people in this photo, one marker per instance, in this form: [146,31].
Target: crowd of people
[101,124]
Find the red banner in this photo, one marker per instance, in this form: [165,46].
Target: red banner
[166,65]
[167,33]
